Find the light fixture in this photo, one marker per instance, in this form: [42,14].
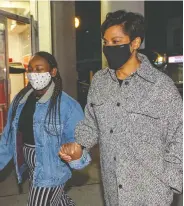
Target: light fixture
[13,25]
[160,59]
[77,22]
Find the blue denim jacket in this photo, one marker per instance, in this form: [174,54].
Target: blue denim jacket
[50,170]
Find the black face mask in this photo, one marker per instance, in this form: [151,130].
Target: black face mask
[117,55]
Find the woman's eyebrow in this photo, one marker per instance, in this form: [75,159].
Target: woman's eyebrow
[120,37]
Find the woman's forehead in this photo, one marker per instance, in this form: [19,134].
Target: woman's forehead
[116,30]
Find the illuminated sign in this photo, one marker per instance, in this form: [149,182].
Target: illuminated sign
[175,59]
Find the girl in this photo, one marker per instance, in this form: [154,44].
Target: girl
[42,118]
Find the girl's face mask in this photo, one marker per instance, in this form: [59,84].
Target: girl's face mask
[39,80]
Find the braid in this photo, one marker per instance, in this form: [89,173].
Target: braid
[54,106]
[55,101]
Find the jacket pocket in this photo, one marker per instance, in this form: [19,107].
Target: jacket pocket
[137,179]
[102,115]
[147,139]
[147,127]
[52,128]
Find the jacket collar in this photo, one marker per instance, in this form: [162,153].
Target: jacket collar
[145,70]
[44,98]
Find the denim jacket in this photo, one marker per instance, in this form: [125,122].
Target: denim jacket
[50,170]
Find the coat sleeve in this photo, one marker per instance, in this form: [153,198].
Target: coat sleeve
[87,131]
[173,156]
[75,116]
[6,143]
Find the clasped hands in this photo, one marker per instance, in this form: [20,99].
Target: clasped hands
[70,151]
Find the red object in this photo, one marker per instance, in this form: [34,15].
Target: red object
[3,105]
[10,60]
[3,117]
[1,120]
[2,92]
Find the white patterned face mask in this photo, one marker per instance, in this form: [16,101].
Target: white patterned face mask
[39,80]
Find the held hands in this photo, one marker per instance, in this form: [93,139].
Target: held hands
[70,151]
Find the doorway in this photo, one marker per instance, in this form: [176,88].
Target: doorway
[18,41]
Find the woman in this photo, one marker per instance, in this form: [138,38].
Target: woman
[42,118]
[135,113]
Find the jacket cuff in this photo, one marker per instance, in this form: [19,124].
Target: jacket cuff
[82,162]
[174,178]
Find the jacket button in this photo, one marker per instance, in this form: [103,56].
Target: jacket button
[114,158]
[126,83]
[111,131]
[181,171]
[120,186]
[118,104]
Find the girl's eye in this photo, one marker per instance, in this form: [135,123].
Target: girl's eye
[29,69]
[39,69]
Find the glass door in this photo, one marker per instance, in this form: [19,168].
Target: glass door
[4,97]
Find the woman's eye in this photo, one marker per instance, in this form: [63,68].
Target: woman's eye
[115,42]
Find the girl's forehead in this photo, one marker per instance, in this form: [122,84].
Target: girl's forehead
[38,59]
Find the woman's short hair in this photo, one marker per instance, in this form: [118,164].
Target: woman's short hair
[133,24]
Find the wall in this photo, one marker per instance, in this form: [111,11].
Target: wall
[64,43]
[41,11]
[110,6]
[44,25]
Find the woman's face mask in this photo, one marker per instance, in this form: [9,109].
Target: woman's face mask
[117,56]
[117,47]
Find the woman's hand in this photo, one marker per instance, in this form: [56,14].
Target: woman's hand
[70,151]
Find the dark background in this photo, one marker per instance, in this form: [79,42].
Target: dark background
[157,15]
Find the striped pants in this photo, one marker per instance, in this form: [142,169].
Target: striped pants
[42,196]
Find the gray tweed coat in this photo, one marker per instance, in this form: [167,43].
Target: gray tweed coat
[139,130]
